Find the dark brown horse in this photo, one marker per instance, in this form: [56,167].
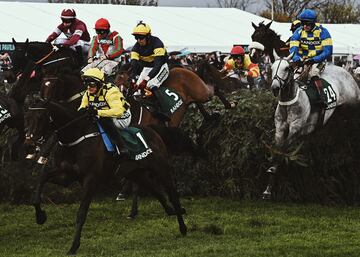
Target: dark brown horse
[270,39]
[84,158]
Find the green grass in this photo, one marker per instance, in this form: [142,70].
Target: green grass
[216,227]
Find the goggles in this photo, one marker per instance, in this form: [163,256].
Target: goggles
[237,57]
[90,82]
[141,37]
[101,31]
[307,23]
[67,20]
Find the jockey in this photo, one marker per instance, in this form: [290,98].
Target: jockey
[107,102]
[294,26]
[77,35]
[256,53]
[149,62]
[106,46]
[241,65]
[312,45]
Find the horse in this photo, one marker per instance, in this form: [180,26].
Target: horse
[270,39]
[187,84]
[81,140]
[294,116]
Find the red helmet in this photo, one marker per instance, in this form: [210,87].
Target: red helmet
[102,24]
[237,50]
[68,14]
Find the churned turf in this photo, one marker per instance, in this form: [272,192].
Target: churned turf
[216,227]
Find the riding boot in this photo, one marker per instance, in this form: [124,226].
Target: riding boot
[114,134]
[79,55]
[319,86]
[163,115]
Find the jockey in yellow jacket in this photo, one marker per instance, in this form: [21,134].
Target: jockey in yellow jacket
[240,63]
[106,102]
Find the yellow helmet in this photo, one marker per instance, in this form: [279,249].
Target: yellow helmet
[142,29]
[93,74]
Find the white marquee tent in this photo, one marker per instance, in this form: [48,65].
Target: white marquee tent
[198,29]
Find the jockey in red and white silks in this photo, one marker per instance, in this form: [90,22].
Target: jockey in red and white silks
[75,31]
[106,48]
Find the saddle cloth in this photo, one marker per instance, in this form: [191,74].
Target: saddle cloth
[5,110]
[314,97]
[171,101]
[134,141]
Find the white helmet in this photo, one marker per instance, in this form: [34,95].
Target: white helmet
[256,45]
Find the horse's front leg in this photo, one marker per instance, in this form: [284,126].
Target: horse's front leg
[42,179]
[89,187]
[226,103]
[281,129]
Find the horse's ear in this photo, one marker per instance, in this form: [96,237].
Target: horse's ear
[254,26]
[27,41]
[14,42]
[275,55]
[268,25]
[289,57]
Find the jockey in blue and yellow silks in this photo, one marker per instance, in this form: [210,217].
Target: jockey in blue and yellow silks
[106,102]
[312,45]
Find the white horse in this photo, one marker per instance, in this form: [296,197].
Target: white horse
[293,116]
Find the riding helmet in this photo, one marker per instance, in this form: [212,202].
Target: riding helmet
[68,14]
[93,74]
[142,29]
[102,24]
[308,15]
[237,50]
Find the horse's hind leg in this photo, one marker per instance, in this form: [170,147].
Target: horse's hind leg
[142,180]
[39,213]
[164,173]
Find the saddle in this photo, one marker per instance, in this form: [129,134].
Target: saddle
[133,139]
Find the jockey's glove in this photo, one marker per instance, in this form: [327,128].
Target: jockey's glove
[90,60]
[143,84]
[103,57]
[92,112]
[309,62]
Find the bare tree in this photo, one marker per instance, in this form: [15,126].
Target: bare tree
[345,11]
[240,4]
[287,10]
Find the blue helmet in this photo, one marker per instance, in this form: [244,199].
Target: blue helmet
[308,15]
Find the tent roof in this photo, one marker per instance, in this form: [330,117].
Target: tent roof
[198,29]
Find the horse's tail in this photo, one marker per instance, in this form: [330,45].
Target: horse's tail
[175,139]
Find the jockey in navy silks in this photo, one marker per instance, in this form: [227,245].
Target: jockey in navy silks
[149,62]
[311,44]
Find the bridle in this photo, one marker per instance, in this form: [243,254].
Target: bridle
[285,81]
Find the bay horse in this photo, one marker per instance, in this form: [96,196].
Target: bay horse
[294,116]
[187,84]
[270,39]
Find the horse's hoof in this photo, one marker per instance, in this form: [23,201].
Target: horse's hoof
[183,230]
[182,211]
[266,196]
[214,116]
[41,217]
[271,170]
[233,104]
[131,216]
